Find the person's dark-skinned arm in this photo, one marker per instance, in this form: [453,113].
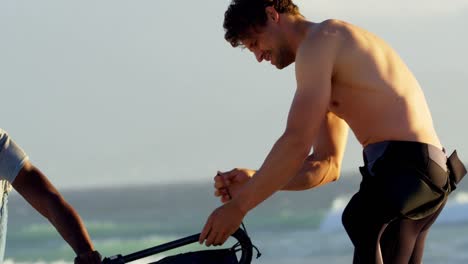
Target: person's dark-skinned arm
[38,191]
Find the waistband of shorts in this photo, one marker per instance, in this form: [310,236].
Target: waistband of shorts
[374,151]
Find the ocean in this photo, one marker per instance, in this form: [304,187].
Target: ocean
[290,227]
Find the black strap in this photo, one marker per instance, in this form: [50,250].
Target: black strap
[456,169]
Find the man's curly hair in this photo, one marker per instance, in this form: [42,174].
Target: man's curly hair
[245,15]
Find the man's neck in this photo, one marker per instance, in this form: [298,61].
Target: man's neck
[296,28]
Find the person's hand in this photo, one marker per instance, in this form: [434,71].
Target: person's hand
[91,257]
[221,224]
[230,183]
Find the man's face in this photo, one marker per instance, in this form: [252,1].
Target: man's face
[268,43]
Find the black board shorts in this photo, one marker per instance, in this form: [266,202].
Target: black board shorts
[404,188]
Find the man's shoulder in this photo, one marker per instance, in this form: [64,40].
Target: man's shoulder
[324,37]
[332,23]
[331,36]
[328,30]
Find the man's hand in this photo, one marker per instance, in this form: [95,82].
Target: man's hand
[221,224]
[230,183]
[91,257]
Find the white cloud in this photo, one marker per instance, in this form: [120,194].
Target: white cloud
[386,9]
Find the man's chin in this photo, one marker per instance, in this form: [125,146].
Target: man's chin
[281,66]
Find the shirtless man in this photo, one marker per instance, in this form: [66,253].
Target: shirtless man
[346,77]
[33,185]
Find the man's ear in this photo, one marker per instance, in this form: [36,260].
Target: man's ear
[272,13]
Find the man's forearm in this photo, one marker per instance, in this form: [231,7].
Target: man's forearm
[42,195]
[69,224]
[313,173]
[284,161]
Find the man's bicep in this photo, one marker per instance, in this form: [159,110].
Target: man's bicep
[314,69]
[331,139]
[34,186]
[306,113]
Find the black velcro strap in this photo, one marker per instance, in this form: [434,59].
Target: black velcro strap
[457,169]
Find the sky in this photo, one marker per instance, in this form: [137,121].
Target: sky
[111,93]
